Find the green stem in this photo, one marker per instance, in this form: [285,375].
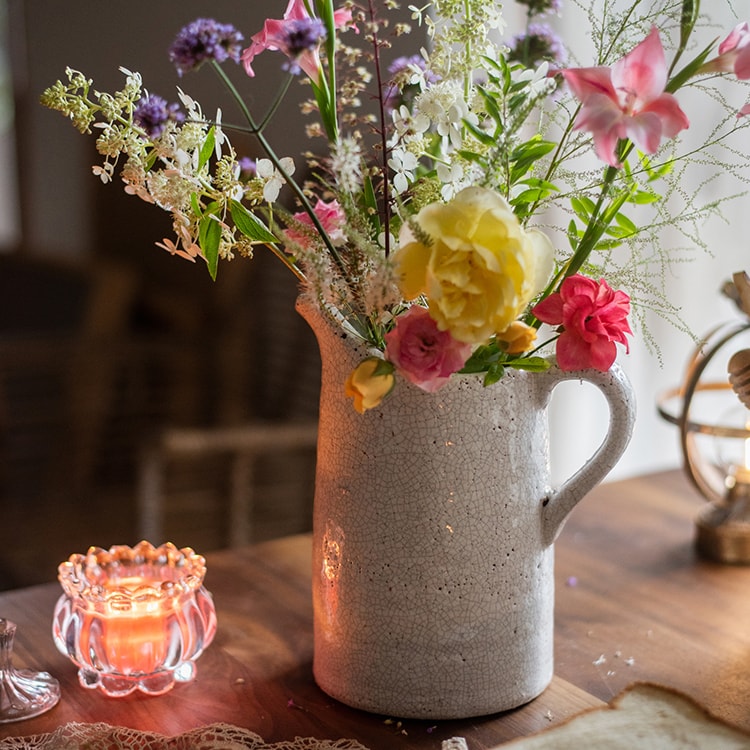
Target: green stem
[383,134]
[284,258]
[258,133]
[467,54]
[276,102]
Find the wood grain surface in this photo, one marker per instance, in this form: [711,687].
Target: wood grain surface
[633,603]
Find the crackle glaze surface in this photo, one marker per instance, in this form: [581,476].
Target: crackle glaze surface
[432,537]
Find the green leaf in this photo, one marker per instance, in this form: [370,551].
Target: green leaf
[642,197]
[249,224]
[625,223]
[607,244]
[209,236]
[688,17]
[531,195]
[618,232]
[207,148]
[494,374]
[583,207]
[574,234]
[370,201]
[680,79]
[471,156]
[491,104]
[482,357]
[527,154]
[530,364]
[484,138]
[539,183]
[383,366]
[150,159]
[195,204]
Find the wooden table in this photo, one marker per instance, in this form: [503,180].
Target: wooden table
[633,604]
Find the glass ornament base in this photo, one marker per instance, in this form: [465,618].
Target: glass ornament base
[24,693]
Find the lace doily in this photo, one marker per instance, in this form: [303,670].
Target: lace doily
[214,737]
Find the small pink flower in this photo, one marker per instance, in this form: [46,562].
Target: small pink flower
[422,353]
[744,111]
[592,319]
[627,101]
[331,217]
[734,54]
[276,36]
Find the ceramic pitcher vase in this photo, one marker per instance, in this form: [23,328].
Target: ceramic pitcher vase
[433,535]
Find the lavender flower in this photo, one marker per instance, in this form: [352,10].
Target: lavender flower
[539,44]
[152,113]
[247,166]
[401,90]
[205,39]
[301,35]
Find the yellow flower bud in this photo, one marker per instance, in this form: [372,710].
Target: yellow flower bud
[517,338]
[369,383]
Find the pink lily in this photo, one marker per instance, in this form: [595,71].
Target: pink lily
[275,35]
[627,101]
[734,54]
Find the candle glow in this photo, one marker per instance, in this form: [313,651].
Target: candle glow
[134,618]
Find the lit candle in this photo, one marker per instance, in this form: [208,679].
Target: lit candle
[131,632]
[134,618]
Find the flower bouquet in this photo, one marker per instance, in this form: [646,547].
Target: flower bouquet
[428,224]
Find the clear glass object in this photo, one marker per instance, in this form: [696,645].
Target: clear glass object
[23,692]
[134,618]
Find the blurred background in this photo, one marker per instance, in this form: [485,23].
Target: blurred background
[133,389]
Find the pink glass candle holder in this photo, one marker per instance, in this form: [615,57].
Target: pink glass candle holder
[134,618]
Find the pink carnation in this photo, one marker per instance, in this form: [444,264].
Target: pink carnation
[422,353]
[331,217]
[592,319]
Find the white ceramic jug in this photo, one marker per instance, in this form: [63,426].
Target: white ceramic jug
[434,525]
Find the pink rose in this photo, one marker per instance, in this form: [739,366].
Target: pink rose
[592,319]
[331,217]
[422,353]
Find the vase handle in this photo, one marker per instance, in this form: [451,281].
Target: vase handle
[618,392]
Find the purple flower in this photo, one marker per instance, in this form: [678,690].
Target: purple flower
[153,112]
[205,39]
[540,43]
[248,166]
[301,35]
[403,63]
[400,90]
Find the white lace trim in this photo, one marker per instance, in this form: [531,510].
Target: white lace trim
[102,736]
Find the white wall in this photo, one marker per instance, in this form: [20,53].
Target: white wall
[693,287]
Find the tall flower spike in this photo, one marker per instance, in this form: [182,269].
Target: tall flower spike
[627,101]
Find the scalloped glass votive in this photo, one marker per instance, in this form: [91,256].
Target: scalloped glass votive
[134,618]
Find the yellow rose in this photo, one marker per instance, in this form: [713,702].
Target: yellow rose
[369,383]
[481,267]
